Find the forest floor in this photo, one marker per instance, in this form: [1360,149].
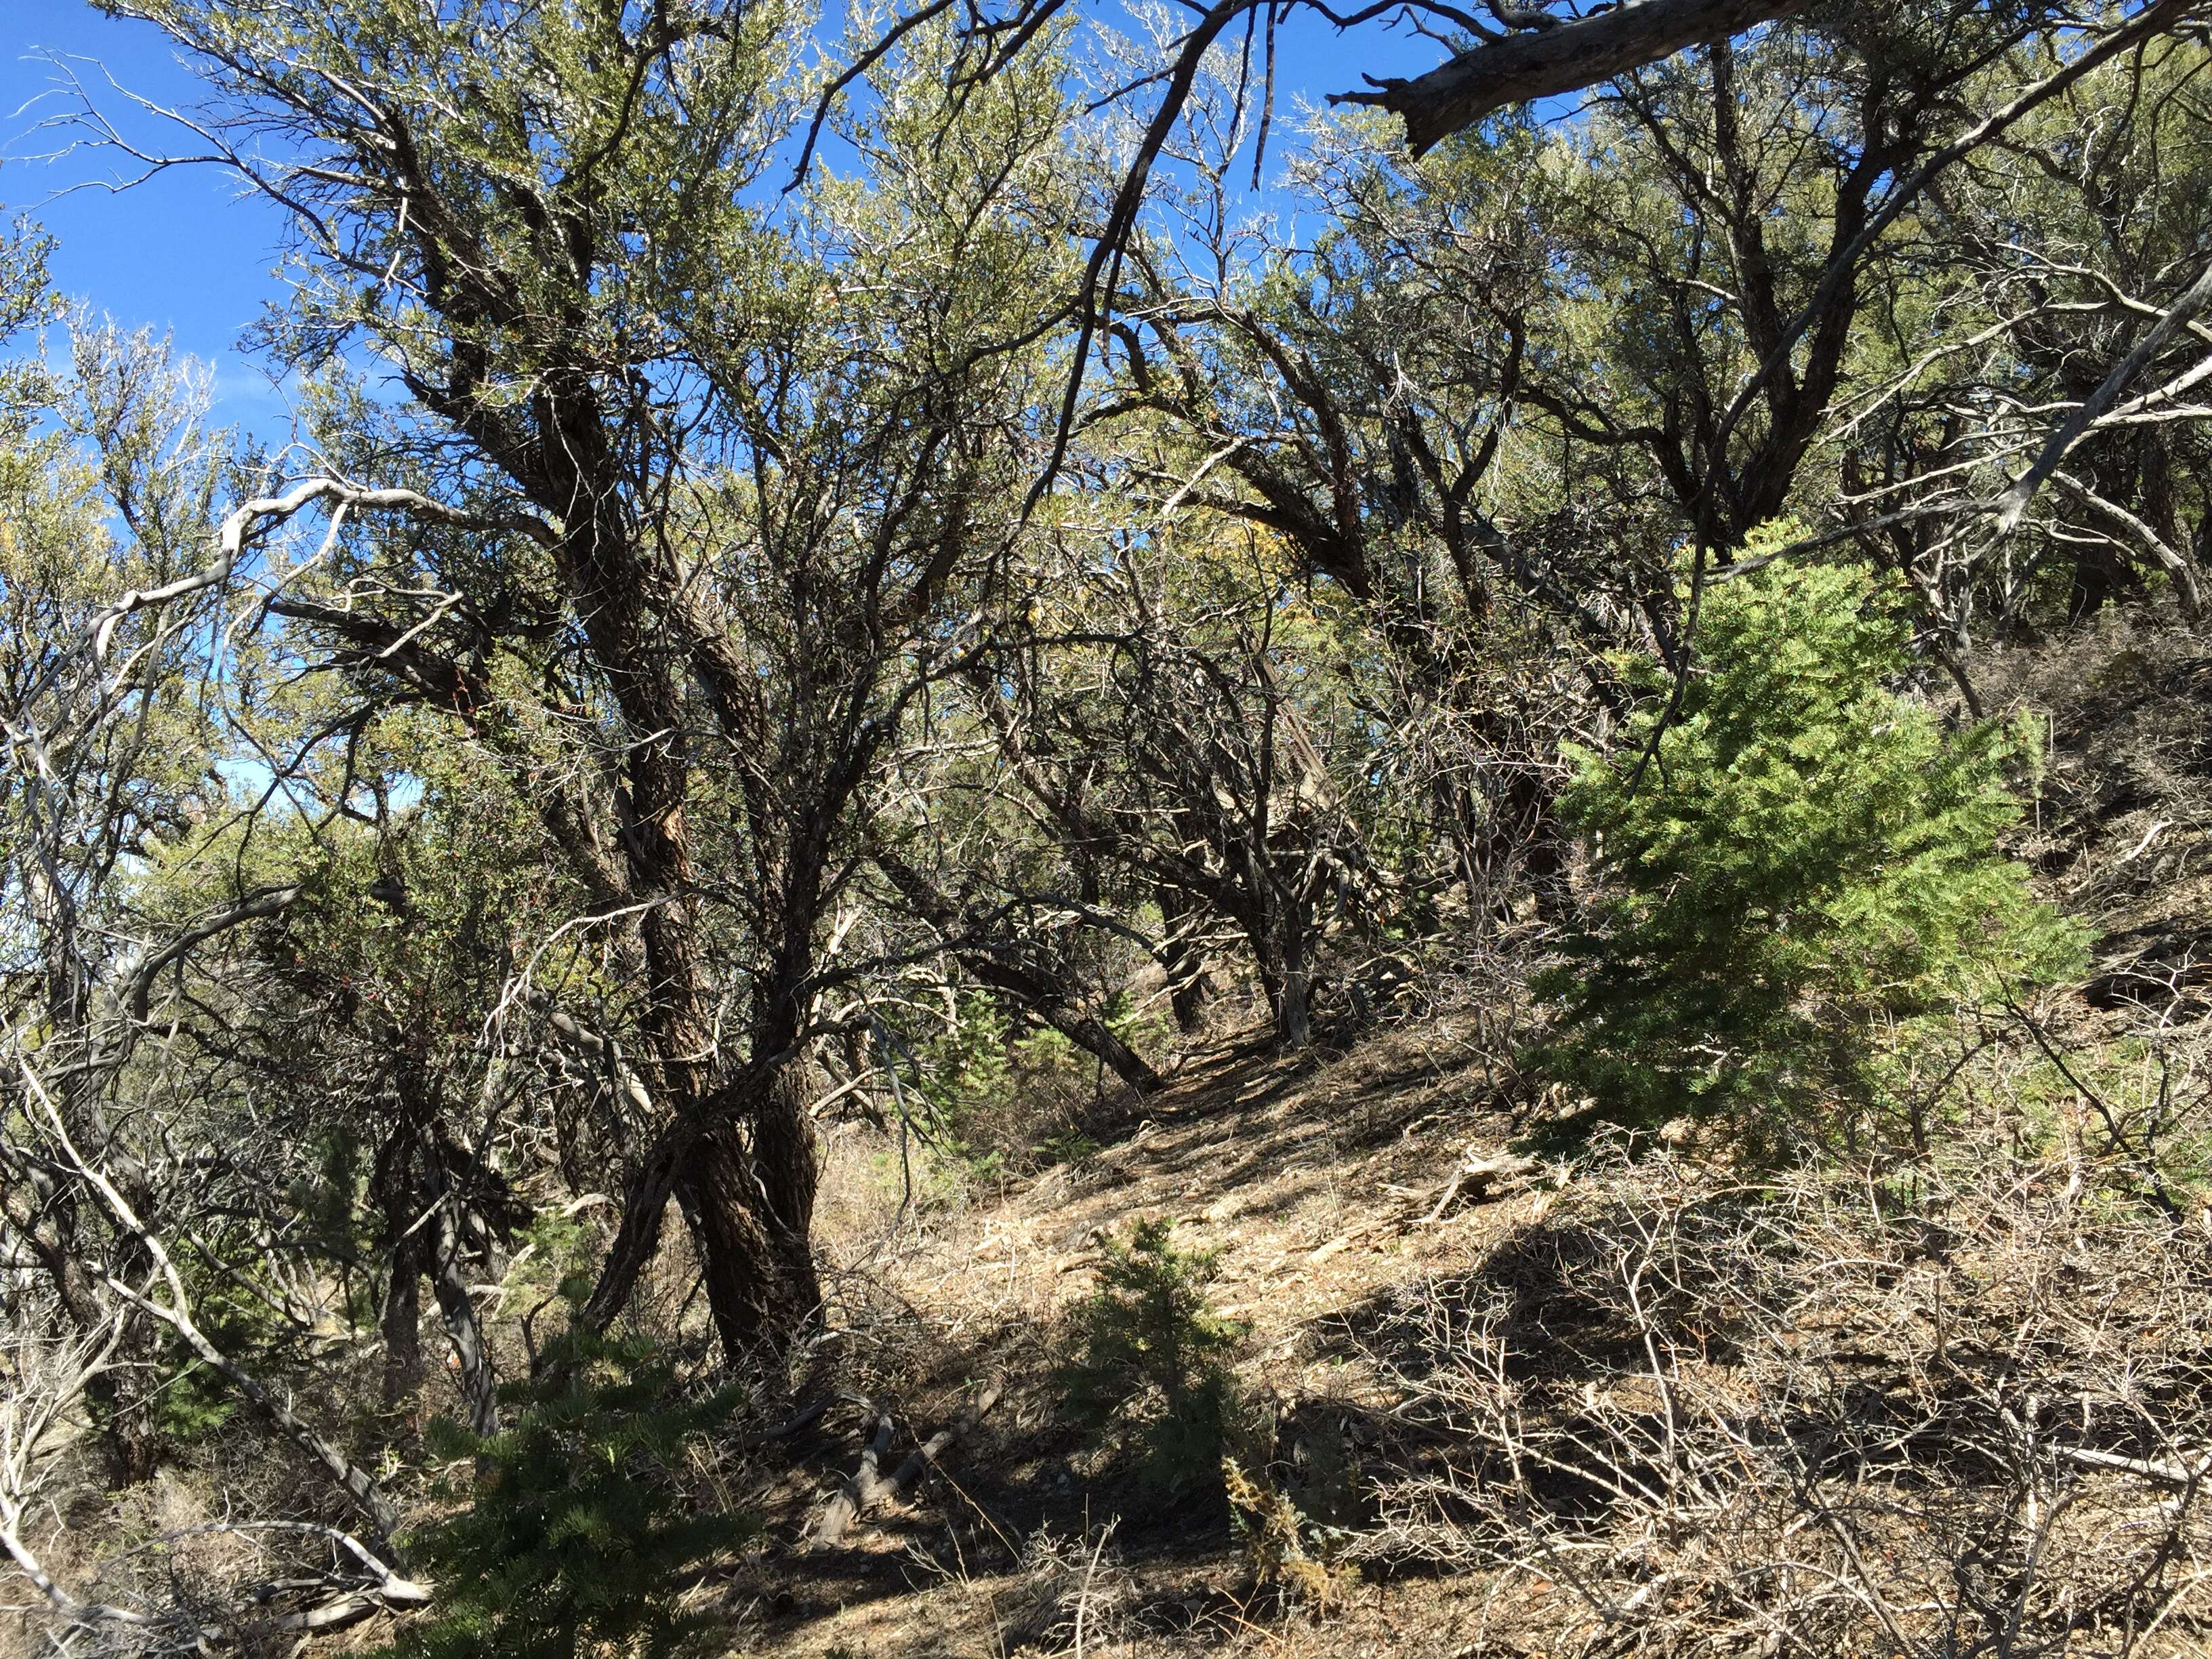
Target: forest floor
[1322,1186]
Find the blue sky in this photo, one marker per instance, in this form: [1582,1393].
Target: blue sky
[182,251]
[185,253]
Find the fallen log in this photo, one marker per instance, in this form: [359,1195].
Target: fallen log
[858,1493]
[869,1487]
[1479,1175]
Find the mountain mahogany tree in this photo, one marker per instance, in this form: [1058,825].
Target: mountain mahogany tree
[1724,222]
[1173,706]
[1489,397]
[112,732]
[2062,261]
[1355,395]
[706,485]
[108,475]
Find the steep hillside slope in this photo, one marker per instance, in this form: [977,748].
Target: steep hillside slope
[1646,1405]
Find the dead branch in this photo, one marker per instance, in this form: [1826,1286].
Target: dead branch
[868,1487]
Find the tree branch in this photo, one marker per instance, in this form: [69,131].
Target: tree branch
[1522,68]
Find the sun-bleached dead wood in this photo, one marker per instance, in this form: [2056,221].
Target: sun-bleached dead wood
[354,1599]
[860,1491]
[254,516]
[388,1591]
[2013,505]
[2163,1469]
[359,1488]
[1570,56]
[1714,1415]
[869,1486]
[45,1382]
[1479,1175]
[1339,1244]
[925,1455]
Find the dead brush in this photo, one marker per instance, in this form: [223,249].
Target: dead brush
[1823,1413]
[1067,1595]
[1080,1595]
[1278,1544]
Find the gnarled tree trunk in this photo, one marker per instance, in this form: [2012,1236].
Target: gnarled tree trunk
[750,1209]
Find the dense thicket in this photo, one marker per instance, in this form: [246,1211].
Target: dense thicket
[747,642]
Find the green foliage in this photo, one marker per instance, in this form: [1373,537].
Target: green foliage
[330,1199]
[577,1535]
[1148,1030]
[1150,1354]
[1809,860]
[966,1067]
[1068,1147]
[193,1401]
[997,1098]
[559,1248]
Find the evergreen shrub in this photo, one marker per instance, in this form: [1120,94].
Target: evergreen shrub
[1150,1358]
[577,1535]
[1798,868]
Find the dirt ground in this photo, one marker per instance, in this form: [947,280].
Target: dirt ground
[1278,1166]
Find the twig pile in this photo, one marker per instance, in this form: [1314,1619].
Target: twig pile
[1820,1415]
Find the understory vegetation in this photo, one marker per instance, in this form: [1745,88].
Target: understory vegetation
[989,844]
